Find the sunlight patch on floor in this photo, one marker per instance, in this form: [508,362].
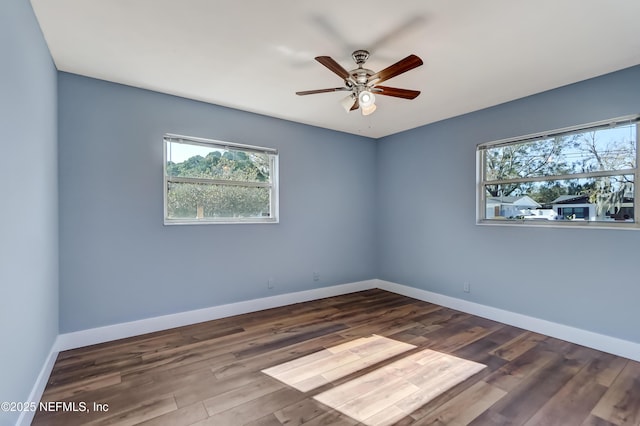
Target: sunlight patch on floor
[315,370]
[385,395]
[388,394]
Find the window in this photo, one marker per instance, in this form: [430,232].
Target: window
[210,181]
[579,176]
[574,212]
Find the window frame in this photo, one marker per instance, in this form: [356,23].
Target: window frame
[272,184]
[481,180]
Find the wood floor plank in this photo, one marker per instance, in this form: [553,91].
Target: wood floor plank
[146,410]
[526,398]
[606,367]
[517,346]
[268,420]
[211,373]
[300,412]
[464,407]
[277,356]
[509,376]
[238,396]
[391,322]
[68,390]
[572,404]
[620,405]
[332,418]
[305,333]
[300,362]
[254,409]
[596,421]
[211,386]
[184,416]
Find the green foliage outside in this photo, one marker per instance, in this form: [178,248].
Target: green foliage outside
[215,200]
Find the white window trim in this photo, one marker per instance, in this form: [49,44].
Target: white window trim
[480,179]
[273,184]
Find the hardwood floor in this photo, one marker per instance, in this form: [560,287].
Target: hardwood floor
[211,373]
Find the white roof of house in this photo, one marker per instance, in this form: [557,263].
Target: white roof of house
[519,201]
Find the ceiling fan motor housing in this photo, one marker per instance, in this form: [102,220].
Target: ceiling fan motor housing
[360,75]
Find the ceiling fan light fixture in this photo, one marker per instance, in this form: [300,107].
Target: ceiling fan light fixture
[366,98]
[348,102]
[366,110]
[361,81]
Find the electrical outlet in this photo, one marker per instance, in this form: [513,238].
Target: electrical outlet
[316,276]
[271,283]
[466,287]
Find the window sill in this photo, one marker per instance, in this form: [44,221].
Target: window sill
[560,224]
[238,221]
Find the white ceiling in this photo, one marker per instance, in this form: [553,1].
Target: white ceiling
[254,55]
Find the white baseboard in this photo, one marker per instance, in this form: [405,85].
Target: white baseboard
[26,417]
[108,333]
[590,339]
[93,336]
[601,342]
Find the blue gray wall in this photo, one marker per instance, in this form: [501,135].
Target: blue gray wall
[28,205]
[118,262]
[415,225]
[586,278]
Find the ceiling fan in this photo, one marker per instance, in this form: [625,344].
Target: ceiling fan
[364,83]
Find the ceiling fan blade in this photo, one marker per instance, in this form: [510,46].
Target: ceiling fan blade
[330,63]
[356,105]
[313,92]
[403,65]
[398,93]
